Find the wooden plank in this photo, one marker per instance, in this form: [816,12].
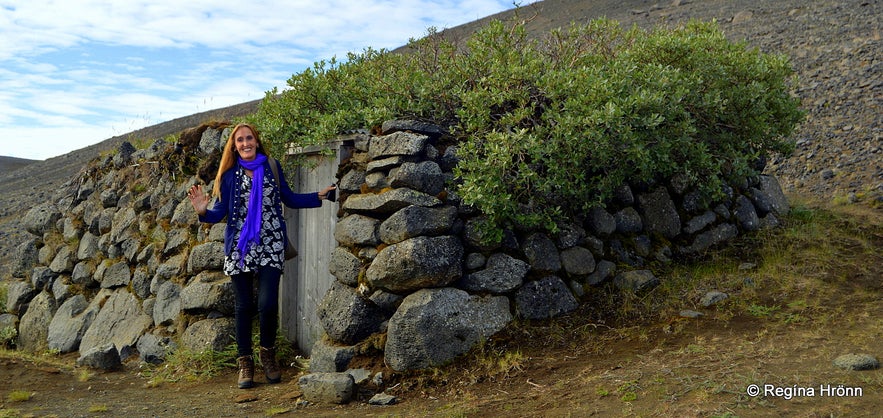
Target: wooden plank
[306,278]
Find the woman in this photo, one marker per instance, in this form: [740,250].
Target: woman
[254,240]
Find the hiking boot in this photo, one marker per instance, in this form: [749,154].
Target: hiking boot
[246,372]
[271,366]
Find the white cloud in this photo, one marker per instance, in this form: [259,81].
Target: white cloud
[76,72]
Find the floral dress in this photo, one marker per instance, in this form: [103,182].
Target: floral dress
[270,252]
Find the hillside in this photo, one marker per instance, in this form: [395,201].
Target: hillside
[679,367]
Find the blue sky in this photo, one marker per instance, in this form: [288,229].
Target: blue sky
[77,72]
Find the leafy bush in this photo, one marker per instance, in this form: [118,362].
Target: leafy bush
[547,128]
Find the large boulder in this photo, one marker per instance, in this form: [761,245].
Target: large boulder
[120,321]
[432,326]
[33,329]
[347,316]
[70,323]
[417,263]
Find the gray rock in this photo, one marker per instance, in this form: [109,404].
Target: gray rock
[346,316]
[70,323]
[153,349]
[687,313]
[177,240]
[208,334]
[42,278]
[329,358]
[41,219]
[345,266]
[123,220]
[712,298]
[360,376]
[123,155]
[746,215]
[416,126]
[88,247]
[357,230]
[636,280]
[397,144]
[386,301]
[120,322]
[208,256]
[660,214]
[116,275]
[432,326]
[352,181]
[209,290]
[628,221]
[211,140]
[18,296]
[334,388]
[376,169]
[699,223]
[770,187]
[382,399]
[168,303]
[475,261]
[24,258]
[717,235]
[389,202]
[33,329]
[84,273]
[502,275]
[63,262]
[544,298]
[104,357]
[541,253]
[417,263]
[604,270]
[8,320]
[184,214]
[577,261]
[426,177]
[414,221]
[857,362]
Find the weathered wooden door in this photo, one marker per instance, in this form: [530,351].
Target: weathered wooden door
[306,278]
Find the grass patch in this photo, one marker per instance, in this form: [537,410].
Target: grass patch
[190,366]
[98,408]
[19,396]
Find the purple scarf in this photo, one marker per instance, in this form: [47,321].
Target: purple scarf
[251,229]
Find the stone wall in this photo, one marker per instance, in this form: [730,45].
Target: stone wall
[119,266]
[412,263]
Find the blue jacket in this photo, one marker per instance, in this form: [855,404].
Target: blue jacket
[230,188]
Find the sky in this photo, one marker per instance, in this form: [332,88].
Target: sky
[77,72]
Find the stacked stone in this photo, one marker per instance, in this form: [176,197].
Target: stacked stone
[113,267]
[412,263]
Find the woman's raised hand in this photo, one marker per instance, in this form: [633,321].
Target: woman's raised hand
[198,198]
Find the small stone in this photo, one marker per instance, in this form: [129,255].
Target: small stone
[382,399]
[712,298]
[853,361]
[686,313]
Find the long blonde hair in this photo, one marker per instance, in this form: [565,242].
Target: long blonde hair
[229,156]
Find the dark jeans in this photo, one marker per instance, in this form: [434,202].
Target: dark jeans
[267,307]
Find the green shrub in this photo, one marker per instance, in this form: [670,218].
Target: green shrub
[548,127]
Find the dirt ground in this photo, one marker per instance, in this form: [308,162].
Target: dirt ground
[784,340]
[573,367]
